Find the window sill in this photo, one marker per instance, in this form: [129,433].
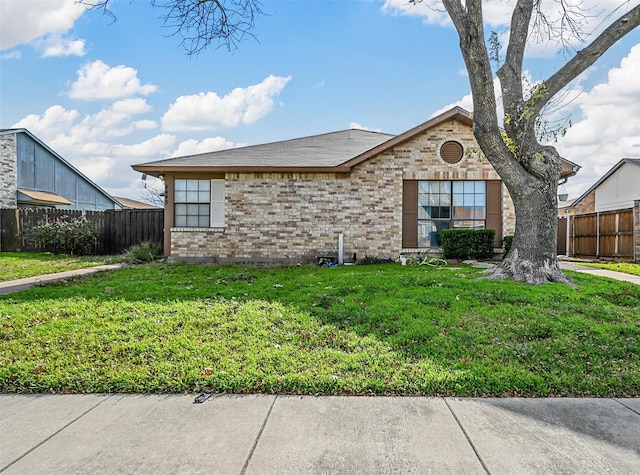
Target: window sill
[215,229]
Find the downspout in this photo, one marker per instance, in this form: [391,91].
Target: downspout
[340,249]
[567,237]
[573,235]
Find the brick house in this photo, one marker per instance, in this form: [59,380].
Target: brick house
[365,192]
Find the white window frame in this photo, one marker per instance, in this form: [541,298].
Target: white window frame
[216,204]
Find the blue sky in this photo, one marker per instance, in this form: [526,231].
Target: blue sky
[107,94]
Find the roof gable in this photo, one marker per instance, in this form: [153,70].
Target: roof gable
[61,160]
[456,113]
[605,177]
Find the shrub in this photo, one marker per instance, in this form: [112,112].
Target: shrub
[370,260]
[506,243]
[75,236]
[143,252]
[467,243]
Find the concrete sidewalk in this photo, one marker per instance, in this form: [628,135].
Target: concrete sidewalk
[12,286]
[252,434]
[575,266]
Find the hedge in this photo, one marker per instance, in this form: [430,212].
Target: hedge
[467,243]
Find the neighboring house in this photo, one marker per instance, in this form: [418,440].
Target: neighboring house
[616,190]
[128,203]
[365,192]
[605,219]
[33,175]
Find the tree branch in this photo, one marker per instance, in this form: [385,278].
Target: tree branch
[202,22]
[469,24]
[587,56]
[510,74]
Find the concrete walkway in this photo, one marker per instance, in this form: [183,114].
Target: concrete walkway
[575,266]
[227,434]
[12,286]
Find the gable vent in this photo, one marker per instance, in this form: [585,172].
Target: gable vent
[451,152]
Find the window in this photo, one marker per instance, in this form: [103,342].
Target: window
[449,204]
[198,203]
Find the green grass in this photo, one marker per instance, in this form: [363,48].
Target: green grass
[18,265]
[384,329]
[626,267]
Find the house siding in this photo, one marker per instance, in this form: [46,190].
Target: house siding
[296,217]
[619,190]
[8,172]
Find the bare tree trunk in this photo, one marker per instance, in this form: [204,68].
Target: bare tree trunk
[533,256]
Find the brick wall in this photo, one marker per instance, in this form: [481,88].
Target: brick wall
[8,172]
[296,217]
[586,205]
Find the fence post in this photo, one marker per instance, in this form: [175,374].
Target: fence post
[636,231]
[598,234]
[9,231]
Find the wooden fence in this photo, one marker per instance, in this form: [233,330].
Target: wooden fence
[608,234]
[117,229]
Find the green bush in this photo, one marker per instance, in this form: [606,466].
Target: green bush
[507,241]
[371,260]
[75,236]
[467,243]
[143,252]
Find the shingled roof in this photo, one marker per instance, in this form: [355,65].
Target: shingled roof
[335,152]
[307,154]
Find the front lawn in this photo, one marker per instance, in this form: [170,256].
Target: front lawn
[18,265]
[384,329]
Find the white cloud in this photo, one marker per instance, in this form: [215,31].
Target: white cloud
[211,144]
[94,142]
[160,145]
[25,20]
[608,128]
[131,106]
[46,126]
[145,124]
[466,102]
[98,80]
[431,11]
[11,55]
[356,125]
[52,46]
[208,111]
[593,16]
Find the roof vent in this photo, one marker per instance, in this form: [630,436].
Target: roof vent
[451,151]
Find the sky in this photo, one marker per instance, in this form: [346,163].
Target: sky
[109,91]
